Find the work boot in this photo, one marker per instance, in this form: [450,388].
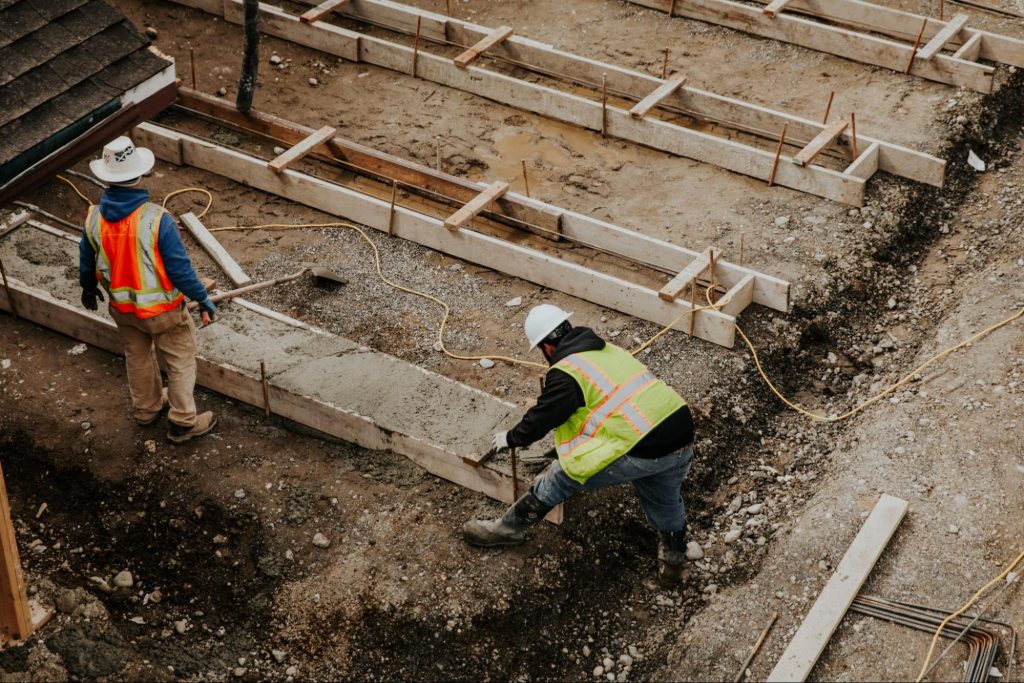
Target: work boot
[146,418]
[671,557]
[205,422]
[510,528]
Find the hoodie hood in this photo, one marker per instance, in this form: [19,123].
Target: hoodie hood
[118,203]
[577,340]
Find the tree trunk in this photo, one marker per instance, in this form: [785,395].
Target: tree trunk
[250,57]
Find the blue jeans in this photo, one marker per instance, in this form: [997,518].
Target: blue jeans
[658,483]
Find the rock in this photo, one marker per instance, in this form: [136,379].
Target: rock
[891,303]
[5,363]
[124,579]
[238,671]
[151,33]
[279,150]
[239,494]
[313,82]
[138,620]
[222,91]
[486,363]
[220,539]
[149,446]
[512,303]
[694,551]
[275,59]
[735,504]
[77,350]
[291,670]
[598,671]
[586,650]
[608,663]
[278,656]
[625,660]
[732,535]
[633,652]
[954,529]
[755,509]
[180,626]
[782,221]
[65,601]
[86,426]
[320,541]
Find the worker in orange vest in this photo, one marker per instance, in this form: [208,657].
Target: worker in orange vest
[132,247]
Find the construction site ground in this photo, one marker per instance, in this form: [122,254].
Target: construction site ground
[218,534]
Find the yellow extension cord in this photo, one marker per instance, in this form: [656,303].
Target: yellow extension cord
[711,306]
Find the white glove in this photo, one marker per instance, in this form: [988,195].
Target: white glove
[500,441]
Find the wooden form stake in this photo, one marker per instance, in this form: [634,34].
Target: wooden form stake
[192,63]
[820,142]
[917,43]
[664,66]
[300,150]
[391,211]
[437,153]
[828,107]
[416,46]
[651,101]
[942,10]
[448,7]
[7,287]
[321,10]
[604,105]
[853,133]
[693,306]
[266,389]
[778,153]
[496,37]
[15,613]
[475,205]
[742,236]
[526,179]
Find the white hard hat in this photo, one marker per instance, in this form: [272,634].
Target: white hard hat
[122,161]
[542,321]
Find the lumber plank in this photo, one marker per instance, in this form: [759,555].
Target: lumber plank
[833,601]
[820,142]
[15,615]
[215,249]
[775,7]
[497,36]
[768,291]
[939,40]
[42,308]
[14,221]
[836,40]
[297,151]
[970,49]
[738,297]
[321,10]
[664,90]
[866,164]
[513,259]
[688,275]
[475,205]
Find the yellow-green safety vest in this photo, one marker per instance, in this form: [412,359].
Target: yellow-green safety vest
[623,402]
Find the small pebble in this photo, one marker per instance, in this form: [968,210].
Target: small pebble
[694,551]
[291,670]
[313,82]
[124,579]
[320,541]
[598,671]
[275,59]
[486,363]
[222,92]
[512,303]
[180,626]
[151,32]
[239,494]
[278,656]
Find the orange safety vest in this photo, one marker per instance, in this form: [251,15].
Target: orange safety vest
[128,262]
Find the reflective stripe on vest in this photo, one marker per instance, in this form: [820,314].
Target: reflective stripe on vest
[623,402]
[128,261]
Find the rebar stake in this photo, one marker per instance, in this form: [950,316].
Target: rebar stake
[604,105]
[526,180]
[416,45]
[778,153]
[266,389]
[7,288]
[391,214]
[828,107]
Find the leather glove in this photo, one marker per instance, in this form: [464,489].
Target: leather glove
[89,297]
[500,441]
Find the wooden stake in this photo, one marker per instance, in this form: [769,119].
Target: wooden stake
[15,613]
[778,153]
[526,179]
[664,66]
[942,10]
[853,133]
[391,215]
[672,8]
[416,45]
[7,287]
[742,236]
[693,305]
[917,44]
[828,107]
[714,285]
[604,105]
[266,389]
[192,61]
[437,152]
[448,7]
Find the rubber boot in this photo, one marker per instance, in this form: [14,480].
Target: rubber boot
[671,557]
[205,422]
[510,528]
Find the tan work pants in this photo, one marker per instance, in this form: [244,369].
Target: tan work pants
[171,336]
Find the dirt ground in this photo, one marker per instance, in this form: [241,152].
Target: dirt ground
[218,535]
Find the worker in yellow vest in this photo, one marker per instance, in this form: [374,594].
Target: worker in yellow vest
[614,423]
[133,249]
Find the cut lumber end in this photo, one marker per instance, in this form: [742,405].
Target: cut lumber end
[475,205]
[321,10]
[774,8]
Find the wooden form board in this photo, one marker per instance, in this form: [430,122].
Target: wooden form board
[321,10]
[301,149]
[14,221]
[15,615]
[866,164]
[775,7]
[768,291]
[496,36]
[836,40]
[940,39]
[733,156]
[664,90]
[513,259]
[730,112]
[42,308]
[215,249]
[833,601]
[475,205]
[823,140]
[688,275]
[903,25]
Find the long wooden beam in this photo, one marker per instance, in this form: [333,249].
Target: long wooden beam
[729,112]
[513,259]
[768,291]
[836,40]
[559,105]
[903,25]
[44,309]
[215,249]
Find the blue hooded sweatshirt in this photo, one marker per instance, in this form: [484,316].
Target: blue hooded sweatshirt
[116,204]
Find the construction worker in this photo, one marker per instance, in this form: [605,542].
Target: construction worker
[132,247]
[614,423]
